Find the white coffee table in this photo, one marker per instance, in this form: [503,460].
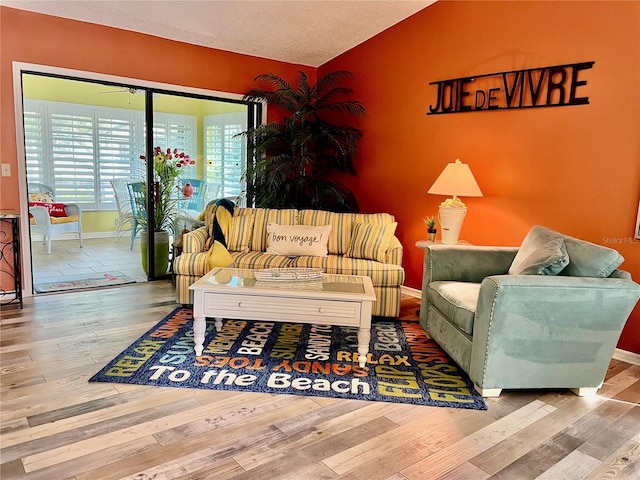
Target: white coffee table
[343,300]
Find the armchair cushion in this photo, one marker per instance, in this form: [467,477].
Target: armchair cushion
[549,259]
[457,301]
[586,259]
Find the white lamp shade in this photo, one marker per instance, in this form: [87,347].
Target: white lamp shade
[456,179]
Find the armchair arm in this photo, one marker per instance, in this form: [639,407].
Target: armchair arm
[195,241]
[465,263]
[73,209]
[548,331]
[41,215]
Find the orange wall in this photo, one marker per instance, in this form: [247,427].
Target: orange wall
[83,46]
[574,169]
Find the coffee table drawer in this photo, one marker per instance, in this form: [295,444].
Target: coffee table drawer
[250,307]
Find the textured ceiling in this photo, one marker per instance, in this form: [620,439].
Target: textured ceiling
[308,32]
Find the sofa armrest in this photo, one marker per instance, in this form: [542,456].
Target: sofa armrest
[465,263]
[195,241]
[395,252]
[566,327]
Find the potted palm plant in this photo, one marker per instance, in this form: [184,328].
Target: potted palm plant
[293,159]
[431,228]
[168,165]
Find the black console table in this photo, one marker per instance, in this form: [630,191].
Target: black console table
[10,259]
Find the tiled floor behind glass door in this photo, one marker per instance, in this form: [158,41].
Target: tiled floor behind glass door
[99,255]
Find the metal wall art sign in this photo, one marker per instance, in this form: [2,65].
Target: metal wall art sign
[555,86]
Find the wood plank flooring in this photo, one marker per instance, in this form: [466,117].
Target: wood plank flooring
[56,425]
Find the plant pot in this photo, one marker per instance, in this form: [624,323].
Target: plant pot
[161,240]
[431,234]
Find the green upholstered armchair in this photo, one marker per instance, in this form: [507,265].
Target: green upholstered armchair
[544,329]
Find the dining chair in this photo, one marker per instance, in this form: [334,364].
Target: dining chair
[125,220]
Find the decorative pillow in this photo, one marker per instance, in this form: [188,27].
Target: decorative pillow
[370,241]
[240,235]
[297,240]
[54,209]
[549,259]
[41,197]
[587,259]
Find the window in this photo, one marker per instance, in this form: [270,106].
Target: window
[225,153]
[78,149]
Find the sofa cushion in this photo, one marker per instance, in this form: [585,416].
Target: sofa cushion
[549,259]
[341,225]
[370,241]
[296,240]
[586,259]
[457,301]
[240,234]
[259,260]
[264,216]
[380,273]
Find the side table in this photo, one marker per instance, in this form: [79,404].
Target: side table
[10,258]
[426,243]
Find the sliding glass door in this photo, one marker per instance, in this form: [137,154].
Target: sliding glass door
[96,144]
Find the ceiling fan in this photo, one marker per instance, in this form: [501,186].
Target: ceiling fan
[130,90]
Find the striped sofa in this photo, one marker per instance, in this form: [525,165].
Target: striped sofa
[247,244]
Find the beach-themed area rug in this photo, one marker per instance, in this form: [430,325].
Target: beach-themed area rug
[81,282]
[404,365]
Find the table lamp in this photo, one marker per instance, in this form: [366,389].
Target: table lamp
[456,179]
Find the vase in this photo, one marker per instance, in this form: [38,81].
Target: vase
[161,241]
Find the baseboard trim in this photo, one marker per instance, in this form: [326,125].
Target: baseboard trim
[410,291]
[626,356]
[618,354]
[74,236]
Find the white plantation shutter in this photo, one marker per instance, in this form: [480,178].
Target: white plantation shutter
[78,149]
[118,153]
[176,131]
[225,153]
[72,156]
[34,145]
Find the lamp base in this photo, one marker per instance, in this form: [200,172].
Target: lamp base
[451,222]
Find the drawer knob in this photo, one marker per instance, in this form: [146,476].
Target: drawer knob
[321,310]
[240,304]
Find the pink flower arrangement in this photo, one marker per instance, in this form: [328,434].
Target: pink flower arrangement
[168,166]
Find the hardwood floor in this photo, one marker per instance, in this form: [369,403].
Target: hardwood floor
[56,425]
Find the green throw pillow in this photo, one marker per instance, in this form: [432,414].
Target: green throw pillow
[549,259]
[587,259]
